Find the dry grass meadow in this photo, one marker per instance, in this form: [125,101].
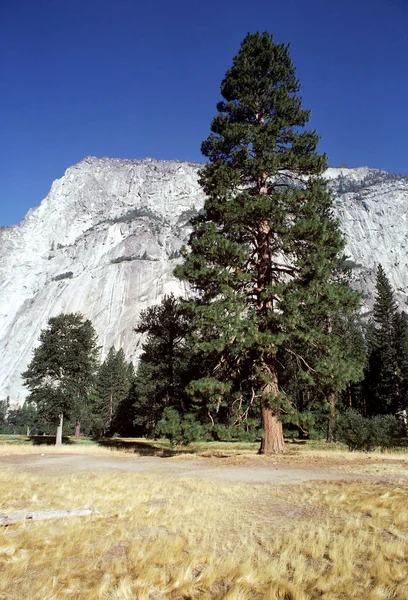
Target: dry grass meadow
[185,538]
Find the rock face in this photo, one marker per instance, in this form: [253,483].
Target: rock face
[106,239]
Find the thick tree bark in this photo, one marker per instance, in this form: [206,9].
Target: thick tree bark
[58,439]
[272,440]
[77,429]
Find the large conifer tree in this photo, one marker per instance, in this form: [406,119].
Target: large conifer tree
[265,253]
[61,373]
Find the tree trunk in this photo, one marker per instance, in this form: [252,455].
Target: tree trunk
[77,429]
[108,423]
[331,421]
[58,439]
[272,440]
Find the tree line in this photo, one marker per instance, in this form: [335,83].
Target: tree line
[271,337]
[173,392]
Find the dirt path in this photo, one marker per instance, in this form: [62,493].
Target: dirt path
[270,472]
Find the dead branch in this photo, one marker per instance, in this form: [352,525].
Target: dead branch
[298,357]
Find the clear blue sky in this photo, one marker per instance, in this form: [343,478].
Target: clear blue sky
[138,78]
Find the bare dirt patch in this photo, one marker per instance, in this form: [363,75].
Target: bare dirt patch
[291,468]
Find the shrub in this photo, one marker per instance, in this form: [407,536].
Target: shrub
[120,259]
[386,431]
[248,431]
[67,275]
[135,213]
[177,429]
[359,433]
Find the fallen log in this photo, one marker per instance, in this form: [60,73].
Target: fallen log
[43,515]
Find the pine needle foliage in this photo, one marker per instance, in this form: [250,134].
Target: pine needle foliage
[264,256]
[61,373]
[160,375]
[114,380]
[387,365]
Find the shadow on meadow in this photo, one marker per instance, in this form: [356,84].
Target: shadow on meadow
[48,440]
[141,447]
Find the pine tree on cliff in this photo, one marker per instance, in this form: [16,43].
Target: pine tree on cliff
[265,252]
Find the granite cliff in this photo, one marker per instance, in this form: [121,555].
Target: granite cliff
[107,237]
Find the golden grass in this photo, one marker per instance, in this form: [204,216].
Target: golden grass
[183,539]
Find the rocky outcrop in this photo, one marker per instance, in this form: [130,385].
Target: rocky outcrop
[107,237]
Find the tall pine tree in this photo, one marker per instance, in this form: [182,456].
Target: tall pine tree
[381,375]
[159,377]
[113,383]
[401,351]
[386,381]
[263,258]
[61,373]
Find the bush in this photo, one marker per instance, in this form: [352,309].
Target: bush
[179,430]
[354,430]
[247,431]
[359,433]
[386,431]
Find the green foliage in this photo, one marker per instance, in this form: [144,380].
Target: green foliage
[386,378]
[136,213]
[187,216]
[387,431]
[67,275]
[178,429]
[346,185]
[355,431]
[248,431]
[113,384]
[61,373]
[361,433]
[160,379]
[132,215]
[120,259]
[23,418]
[266,199]
[4,407]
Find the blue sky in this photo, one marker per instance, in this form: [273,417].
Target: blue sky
[137,78]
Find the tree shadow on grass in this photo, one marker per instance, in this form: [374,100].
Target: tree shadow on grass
[48,440]
[143,448]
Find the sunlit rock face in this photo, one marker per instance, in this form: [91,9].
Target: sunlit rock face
[107,237]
